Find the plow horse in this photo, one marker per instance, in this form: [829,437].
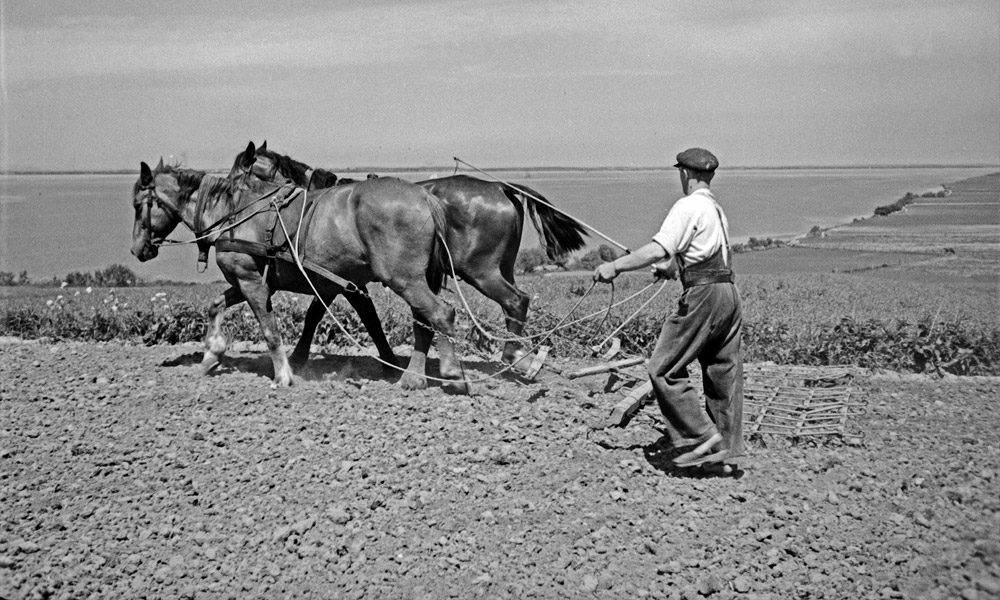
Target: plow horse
[484,220]
[265,235]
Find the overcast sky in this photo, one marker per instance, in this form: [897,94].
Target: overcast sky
[90,84]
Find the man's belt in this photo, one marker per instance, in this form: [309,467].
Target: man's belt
[689,279]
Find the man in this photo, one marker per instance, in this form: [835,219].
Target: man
[707,324]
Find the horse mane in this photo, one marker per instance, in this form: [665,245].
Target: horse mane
[296,171]
[287,166]
[214,186]
[322,179]
[188,180]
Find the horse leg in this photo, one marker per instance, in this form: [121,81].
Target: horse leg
[258,296]
[413,377]
[365,308]
[514,304]
[215,342]
[430,310]
[314,314]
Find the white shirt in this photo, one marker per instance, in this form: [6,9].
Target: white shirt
[694,229]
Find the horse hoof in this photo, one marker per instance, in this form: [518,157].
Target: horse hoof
[208,364]
[410,381]
[282,383]
[458,387]
[520,362]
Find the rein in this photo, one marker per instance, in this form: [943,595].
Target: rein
[207,232]
[304,265]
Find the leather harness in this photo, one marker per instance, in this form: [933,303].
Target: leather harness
[268,248]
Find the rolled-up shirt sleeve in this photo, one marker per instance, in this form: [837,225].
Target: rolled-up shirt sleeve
[676,232]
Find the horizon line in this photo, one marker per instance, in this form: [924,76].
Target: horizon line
[398,169]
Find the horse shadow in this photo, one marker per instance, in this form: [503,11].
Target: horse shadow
[256,364]
[328,366]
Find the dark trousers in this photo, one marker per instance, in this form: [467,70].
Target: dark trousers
[707,326]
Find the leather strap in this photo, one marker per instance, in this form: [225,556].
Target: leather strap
[690,280]
[260,249]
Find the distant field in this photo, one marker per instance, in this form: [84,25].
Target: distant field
[967,221]
[800,259]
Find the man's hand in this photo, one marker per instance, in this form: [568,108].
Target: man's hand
[666,269]
[605,272]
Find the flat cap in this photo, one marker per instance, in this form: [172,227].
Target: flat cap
[698,159]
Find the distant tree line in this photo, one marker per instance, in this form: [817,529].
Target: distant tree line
[758,244]
[113,276]
[7,278]
[908,199]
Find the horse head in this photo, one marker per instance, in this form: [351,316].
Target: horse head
[159,198]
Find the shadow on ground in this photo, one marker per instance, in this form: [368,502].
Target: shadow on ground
[325,366]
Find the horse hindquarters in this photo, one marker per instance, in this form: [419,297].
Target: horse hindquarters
[485,222]
[418,282]
[394,235]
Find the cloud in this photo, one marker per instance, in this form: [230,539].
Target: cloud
[515,39]
[320,36]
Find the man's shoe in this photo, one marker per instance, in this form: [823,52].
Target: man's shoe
[705,453]
[719,469]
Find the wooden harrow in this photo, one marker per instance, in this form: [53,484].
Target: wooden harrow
[777,400]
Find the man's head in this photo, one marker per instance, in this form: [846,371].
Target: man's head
[696,164]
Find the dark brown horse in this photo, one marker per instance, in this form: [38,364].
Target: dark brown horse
[485,221]
[385,230]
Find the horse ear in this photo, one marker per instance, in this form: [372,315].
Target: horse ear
[159,167]
[145,175]
[249,156]
[263,146]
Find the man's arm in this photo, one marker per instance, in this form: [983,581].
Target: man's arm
[643,257]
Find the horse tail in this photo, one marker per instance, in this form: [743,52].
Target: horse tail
[440,264]
[558,233]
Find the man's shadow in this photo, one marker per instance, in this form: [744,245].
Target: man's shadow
[660,454]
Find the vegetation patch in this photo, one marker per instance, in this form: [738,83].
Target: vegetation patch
[800,319]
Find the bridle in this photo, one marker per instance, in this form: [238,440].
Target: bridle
[227,222]
[153,198]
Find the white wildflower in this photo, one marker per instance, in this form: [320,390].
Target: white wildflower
[90,289]
[64,284]
[48,303]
